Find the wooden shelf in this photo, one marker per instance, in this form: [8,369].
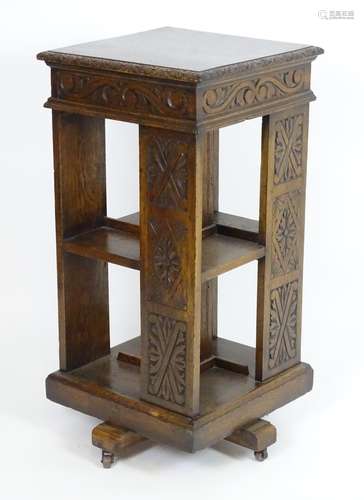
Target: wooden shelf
[225,353]
[122,378]
[105,243]
[227,224]
[220,253]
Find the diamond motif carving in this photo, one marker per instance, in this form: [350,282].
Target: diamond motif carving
[286,223]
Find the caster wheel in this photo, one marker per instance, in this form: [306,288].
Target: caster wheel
[107,459]
[261,455]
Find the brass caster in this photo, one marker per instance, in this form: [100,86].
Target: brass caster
[107,459]
[261,455]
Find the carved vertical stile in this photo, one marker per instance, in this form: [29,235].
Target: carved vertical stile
[171,227]
[283,179]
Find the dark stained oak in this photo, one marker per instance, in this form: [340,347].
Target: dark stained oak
[192,52]
[201,79]
[177,382]
[181,48]
[80,189]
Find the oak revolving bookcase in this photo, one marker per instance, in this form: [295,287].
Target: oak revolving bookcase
[177,382]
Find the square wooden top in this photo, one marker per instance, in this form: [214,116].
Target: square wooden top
[180,54]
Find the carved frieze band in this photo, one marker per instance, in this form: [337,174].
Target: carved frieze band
[167,358]
[123,94]
[244,93]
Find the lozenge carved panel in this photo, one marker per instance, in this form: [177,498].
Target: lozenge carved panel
[167,358]
[283,324]
[286,231]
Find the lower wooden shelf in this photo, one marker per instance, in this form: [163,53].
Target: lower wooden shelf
[109,389]
[224,354]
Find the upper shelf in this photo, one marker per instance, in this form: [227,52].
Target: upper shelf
[110,245]
[222,251]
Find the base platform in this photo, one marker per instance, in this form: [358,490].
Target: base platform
[114,440]
[108,389]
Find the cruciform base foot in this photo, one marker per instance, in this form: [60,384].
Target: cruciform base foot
[113,441]
[256,436]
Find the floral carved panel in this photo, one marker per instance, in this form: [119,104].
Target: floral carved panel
[167,358]
[167,282]
[288,149]
[286,233]
[283,324]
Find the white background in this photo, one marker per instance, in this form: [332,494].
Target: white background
[46,450]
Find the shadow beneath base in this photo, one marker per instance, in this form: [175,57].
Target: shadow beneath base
[232,450]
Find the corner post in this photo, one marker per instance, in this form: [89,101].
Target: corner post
[80,197]
[281,230]
[171,165]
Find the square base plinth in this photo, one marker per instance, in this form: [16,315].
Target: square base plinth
[108,389]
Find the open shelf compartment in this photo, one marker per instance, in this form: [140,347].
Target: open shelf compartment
[230,243]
